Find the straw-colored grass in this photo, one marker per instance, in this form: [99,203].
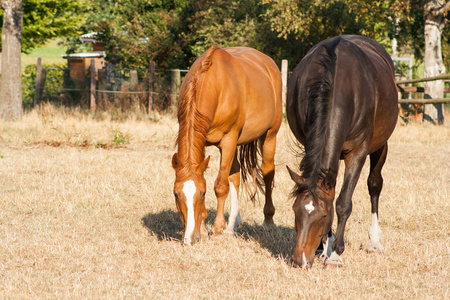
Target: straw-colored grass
[84,215]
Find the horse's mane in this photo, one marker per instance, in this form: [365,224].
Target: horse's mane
[320,89]
[193,125]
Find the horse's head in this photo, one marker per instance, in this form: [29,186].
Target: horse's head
[189,190]
[313,219]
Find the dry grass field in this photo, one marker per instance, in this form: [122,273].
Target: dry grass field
[87,211]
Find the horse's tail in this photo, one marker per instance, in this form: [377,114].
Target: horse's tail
[248,160]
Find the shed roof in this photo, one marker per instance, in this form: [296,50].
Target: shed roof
[90,37]
[85,55]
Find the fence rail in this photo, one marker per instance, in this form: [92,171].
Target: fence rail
[148,88]
[440,77]
[109,87]
[424,101]
[415,89]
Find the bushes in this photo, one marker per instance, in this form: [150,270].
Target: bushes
[54,80]
[115,89]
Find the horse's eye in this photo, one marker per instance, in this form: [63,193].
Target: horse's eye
[323,217]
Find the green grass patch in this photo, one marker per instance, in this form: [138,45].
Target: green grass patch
[50,54]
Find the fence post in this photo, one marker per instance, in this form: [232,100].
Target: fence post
[37,92]
[151,86]
[102,96]
[133,80]
[284,76]
[93,104]
[174,87]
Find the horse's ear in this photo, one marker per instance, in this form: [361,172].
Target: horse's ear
[176,164]
[330,180]
[202,167]
[297,178]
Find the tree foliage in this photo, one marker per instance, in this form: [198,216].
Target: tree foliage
[224,23]
[174,32]
[47,19]
[312,21]
[140,32]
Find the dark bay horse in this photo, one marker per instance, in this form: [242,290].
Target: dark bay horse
[230,98]
[342,105]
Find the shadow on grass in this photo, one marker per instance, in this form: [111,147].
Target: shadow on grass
[279,241]
[166,225]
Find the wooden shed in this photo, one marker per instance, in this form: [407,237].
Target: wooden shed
[79,63]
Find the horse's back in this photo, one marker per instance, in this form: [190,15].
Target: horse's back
[247,87]
[261,73]
[364,93]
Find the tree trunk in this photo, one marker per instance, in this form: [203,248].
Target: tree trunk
[434,66]
[11,80]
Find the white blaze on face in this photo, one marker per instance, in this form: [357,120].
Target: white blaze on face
[189,190]
[309,207]
[304,262]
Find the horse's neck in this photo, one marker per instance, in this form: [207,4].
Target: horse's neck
[191,149]
[324,157]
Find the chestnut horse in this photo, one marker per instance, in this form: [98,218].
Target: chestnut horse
[230,98]
[342,105]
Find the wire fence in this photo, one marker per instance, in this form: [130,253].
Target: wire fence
[114,88]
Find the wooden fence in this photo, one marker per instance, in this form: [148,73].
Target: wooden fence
[415,89]
[97,85]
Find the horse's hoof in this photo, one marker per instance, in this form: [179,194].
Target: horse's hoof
[230,232]
[323,255]
[268,226]
[217,233]
[332,266]
[375,248]
[204,236]
[203,232]
[334,261]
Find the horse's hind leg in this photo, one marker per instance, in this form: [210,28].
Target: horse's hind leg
[375,184]
[268,173]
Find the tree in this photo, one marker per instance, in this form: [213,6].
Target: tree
[142,31]
[95,12]
[435,12]
[223,23]
[47,19]
[312,21]
[416,24]
[11,82]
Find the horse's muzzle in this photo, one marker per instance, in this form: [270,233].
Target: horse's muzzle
[302,262]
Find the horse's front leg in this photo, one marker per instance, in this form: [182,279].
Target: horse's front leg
[234,180]
[227,149]
[354,162]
